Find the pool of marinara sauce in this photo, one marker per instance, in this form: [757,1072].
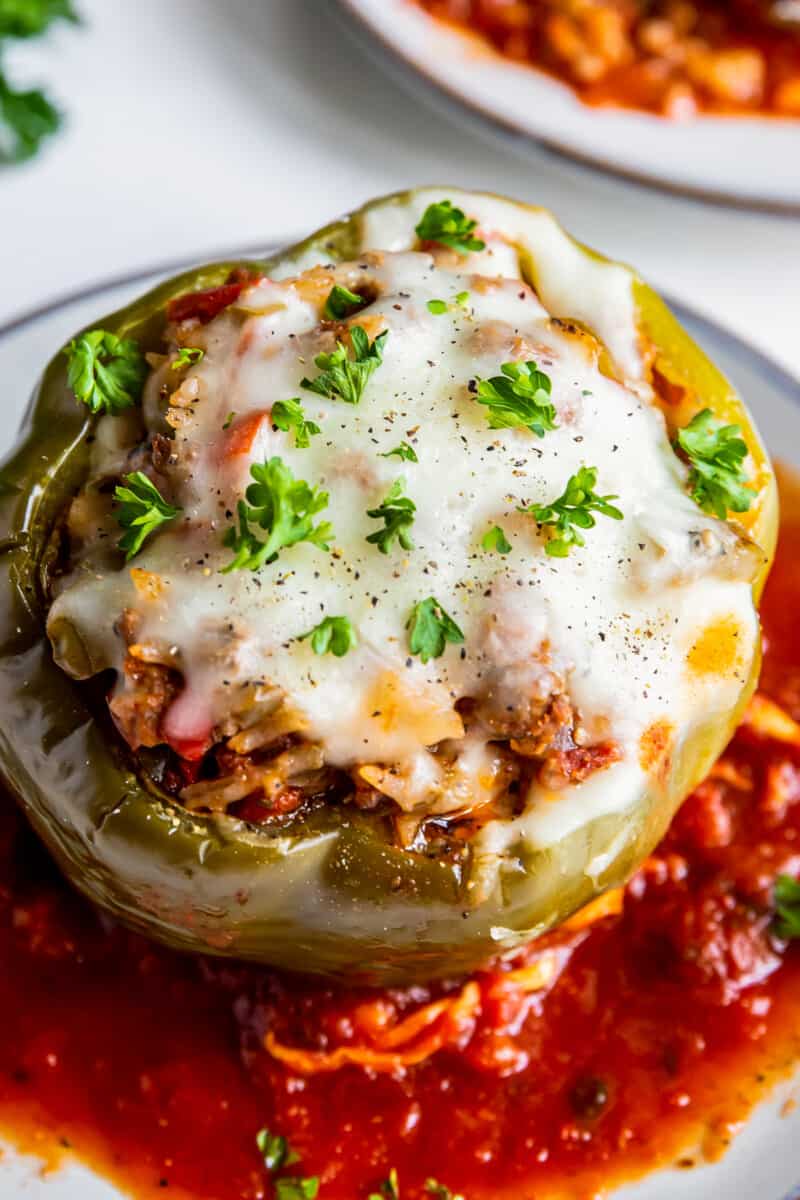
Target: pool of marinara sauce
[667,1025]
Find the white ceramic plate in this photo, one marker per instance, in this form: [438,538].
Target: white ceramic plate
[764,1161]
[748,160]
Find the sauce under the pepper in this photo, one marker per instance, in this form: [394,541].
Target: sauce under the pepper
[668,1023]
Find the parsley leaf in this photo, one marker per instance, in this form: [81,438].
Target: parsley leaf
[282,506]
[388,1189]
[275,1150]
[573,510]
[28,18]
[278,1154]
[333,635]
[404,451]
[495,539]
[345,377]
[188,356]
[443,223]
[716,453]
[291,1187]
[437,307]
[434,1188]
[430,629]
[341,303]
[25,119]
[141,510]
[787,907]
[105,372]
[397,513]
[288,414]
[519,398]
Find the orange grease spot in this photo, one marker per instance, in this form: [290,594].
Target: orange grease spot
[718,648]
[655,747]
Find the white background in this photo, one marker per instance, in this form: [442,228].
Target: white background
[197,126]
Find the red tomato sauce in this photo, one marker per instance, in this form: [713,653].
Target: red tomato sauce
[667,1023]
[675,59]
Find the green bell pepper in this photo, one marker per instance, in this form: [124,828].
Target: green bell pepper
[327,892]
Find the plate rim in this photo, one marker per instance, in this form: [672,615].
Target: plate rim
[410,73]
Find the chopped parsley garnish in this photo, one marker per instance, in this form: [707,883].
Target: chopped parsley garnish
[27,117]
[716,453]
[277,1154]
[341,303]
[430,629]
[284,508]
[333,635]
[388,1189]
[344,375]
[287,415]
[404,451]
[434,1188]
[231,417]
[397,512]
[105,372]
[142,509]
[187,357]
[519,398]
[460,300]
[292,1187]
[495,539]
[275,1150]
[444,223]
[573,511]
[787,907]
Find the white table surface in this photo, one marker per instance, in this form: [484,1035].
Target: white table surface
[194,126]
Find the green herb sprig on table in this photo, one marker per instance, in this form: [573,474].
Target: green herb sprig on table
[27,116]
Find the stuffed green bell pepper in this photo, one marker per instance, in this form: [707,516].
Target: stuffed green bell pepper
[369,610]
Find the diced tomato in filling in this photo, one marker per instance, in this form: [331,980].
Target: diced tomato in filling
[240,437]
[209,303]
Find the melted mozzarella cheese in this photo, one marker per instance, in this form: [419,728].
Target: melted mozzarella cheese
[610,619]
